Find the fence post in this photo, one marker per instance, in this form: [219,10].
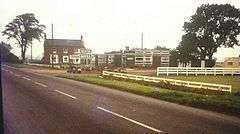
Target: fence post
[167,71]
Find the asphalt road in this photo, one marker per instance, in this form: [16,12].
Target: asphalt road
[40,104]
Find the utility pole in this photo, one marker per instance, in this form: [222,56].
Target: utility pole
[31,52]
[52,44]
[142,48]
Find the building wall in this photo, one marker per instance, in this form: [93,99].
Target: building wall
[100,60]
[156,60]
[57,50]
[233,62]
[72,55]
[137,58]
[117,60]
[130,61]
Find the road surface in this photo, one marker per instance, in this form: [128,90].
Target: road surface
[41,104]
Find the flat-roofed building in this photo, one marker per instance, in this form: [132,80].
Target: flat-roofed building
[231,62]
[100,60]
[138,58]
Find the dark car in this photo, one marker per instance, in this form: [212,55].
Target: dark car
[73,69]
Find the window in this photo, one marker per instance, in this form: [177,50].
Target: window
[139,58]
[164,59]
[65,50]
[76,61]
[65,59]
[54,59]
[54,50]
[130,58]
[147,58]
[230,63]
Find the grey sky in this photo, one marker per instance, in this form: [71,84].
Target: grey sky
[111,24]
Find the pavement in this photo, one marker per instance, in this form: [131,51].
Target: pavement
[42,104]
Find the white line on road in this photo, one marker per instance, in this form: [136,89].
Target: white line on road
[131,120]
[17,75]
[65,94]
[26,78]
[9,66]
[40,84]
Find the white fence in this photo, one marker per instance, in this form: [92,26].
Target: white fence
[197,71]
[210,86]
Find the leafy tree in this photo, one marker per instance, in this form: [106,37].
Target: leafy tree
[174,57]
[5,46]
[187,53]
[6,55]
[160,48]
[24,29]
[211,27]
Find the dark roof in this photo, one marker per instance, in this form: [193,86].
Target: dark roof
[64,43]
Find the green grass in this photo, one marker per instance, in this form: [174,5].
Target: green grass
[229,104]
[227,80]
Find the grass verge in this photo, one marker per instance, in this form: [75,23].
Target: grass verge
[227,80]
[228,104]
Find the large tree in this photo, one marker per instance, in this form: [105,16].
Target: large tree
[24,29]
[211,27]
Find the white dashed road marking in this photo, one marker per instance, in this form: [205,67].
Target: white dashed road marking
[26,78]
[131,120]
[65,94]
[40,84]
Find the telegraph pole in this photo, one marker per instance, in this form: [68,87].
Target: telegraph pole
[142,47]
[31,52]
[52,44]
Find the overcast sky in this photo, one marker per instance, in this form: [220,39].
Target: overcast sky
[111,24]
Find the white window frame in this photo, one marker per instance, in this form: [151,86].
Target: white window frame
[75,60]
[54,50]
[56,59]
[66,60]
[65,50]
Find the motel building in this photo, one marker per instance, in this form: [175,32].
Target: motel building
[65,52]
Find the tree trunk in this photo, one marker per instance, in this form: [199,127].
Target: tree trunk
[23,52]
[210,62]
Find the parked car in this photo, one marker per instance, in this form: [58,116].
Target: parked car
[74,69]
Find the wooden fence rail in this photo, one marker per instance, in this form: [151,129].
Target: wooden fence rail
[197,71]
[201,85]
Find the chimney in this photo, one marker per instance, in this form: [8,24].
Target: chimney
[127,48]
[52,30]
[81,38]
